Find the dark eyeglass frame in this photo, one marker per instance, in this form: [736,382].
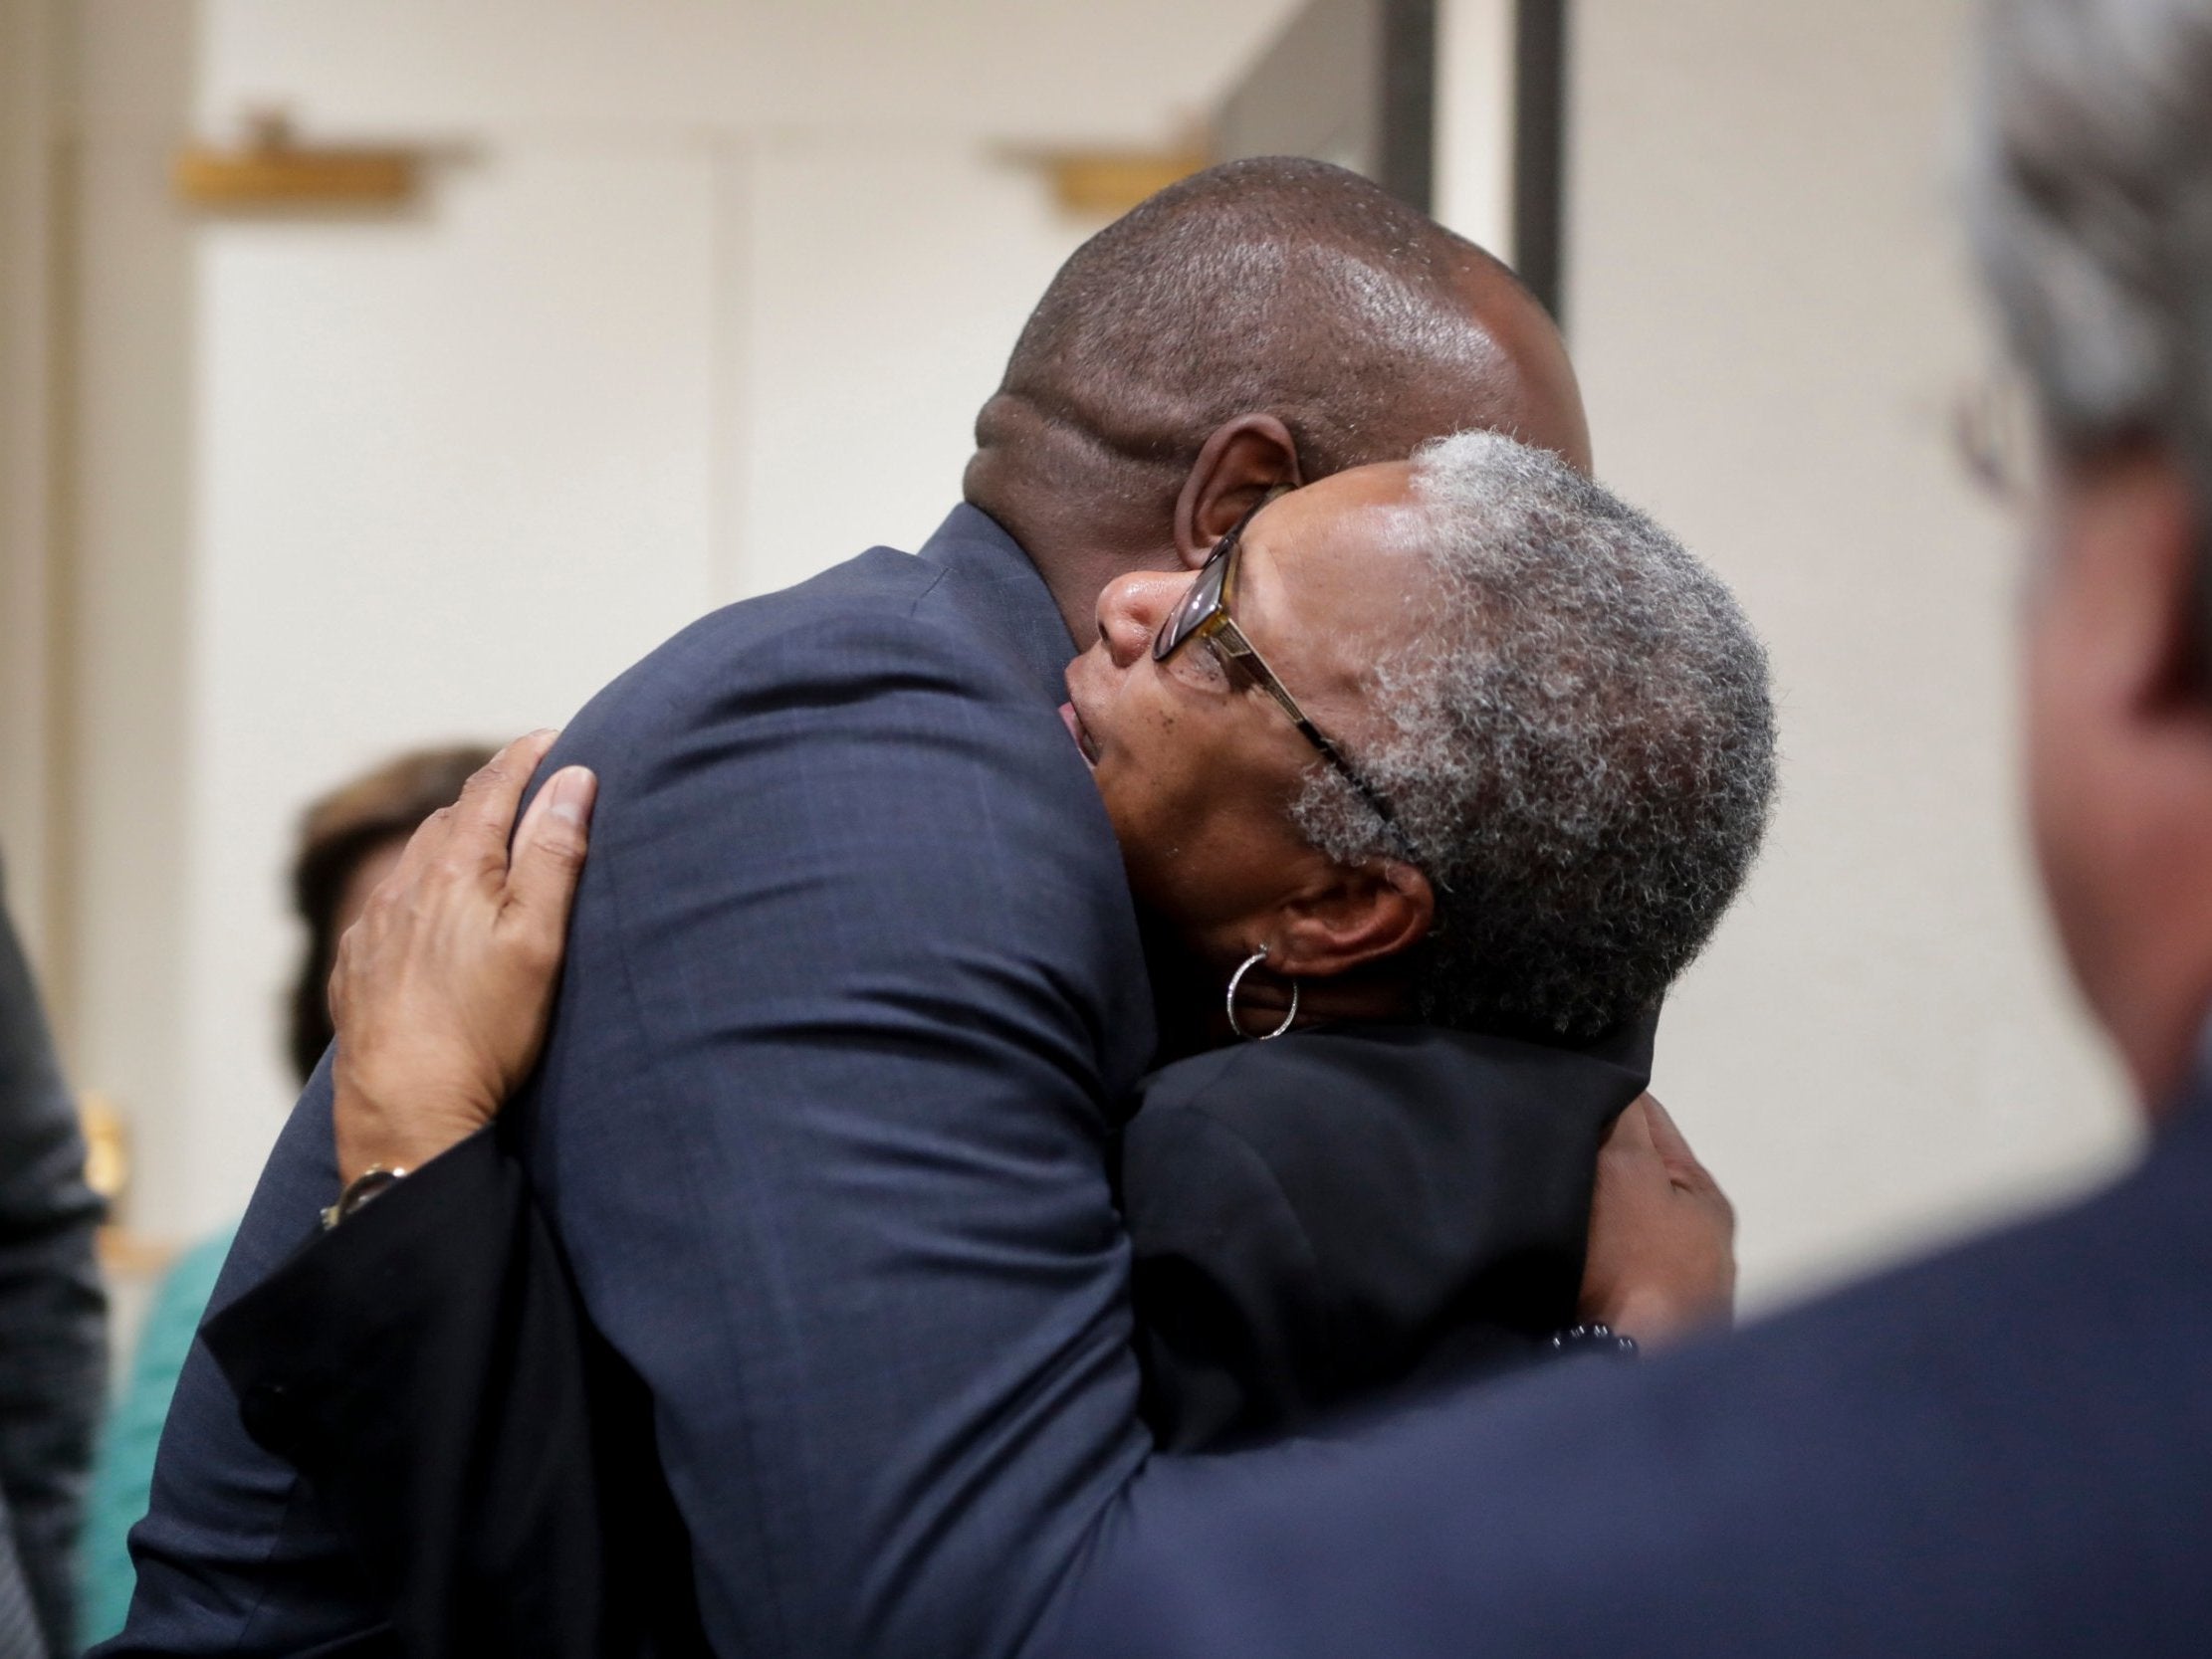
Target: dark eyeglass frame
[1999,435]
[1204,614]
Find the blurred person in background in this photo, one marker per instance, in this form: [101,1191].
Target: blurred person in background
[348,840]
[53,1324]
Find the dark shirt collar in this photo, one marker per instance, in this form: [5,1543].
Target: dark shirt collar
[992,576]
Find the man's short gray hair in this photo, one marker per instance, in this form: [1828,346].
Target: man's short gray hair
[2089,196]
[1580,743]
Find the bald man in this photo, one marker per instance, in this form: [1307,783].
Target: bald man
[854,980]
[1267,322]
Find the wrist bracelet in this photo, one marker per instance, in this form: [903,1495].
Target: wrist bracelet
[360,1190]
[1594,1338]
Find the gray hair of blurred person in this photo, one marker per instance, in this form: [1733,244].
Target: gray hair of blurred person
[1580,742]
[2090,197]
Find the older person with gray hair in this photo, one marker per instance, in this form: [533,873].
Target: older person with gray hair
[1550,757]
[1579,728]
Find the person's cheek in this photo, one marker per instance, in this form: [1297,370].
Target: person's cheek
[1147,796]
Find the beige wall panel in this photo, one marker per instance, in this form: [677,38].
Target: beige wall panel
[456,477]
[132,730]
[886,285]
[1771,314]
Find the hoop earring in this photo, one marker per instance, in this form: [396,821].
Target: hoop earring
[1236,979]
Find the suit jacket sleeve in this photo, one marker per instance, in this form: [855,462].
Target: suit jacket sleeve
[1231,1319]
[821,1125]
[53,1352]
[422,1366]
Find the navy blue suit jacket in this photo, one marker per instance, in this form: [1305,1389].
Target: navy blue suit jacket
[2005,1450]
[853,983]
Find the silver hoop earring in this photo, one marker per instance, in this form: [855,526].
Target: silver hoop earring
[1236,979]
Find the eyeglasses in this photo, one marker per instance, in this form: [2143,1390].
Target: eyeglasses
[1998,435]
[1203,615]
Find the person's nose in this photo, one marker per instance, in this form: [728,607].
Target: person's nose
[1131,609]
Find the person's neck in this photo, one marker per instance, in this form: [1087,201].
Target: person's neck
[1076,554]
[1075,579]
[2160,1028]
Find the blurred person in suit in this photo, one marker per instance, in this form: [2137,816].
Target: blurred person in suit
[349,839]
[53,1324]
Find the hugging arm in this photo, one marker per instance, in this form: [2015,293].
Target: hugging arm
[423,1366]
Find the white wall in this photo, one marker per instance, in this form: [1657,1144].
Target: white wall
[886,285]
[702,298]
[28,124]
[1473,179]
[128,729]
[1770,312]
[453,475]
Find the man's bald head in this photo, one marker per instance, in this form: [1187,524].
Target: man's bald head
[1278,288]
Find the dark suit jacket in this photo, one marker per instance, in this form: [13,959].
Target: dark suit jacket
[53,1332]
[821,1128]
[2004,1450]
[1321,1217]
[1427,1194]
[428,1371]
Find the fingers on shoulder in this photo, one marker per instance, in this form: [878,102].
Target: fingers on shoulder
[549,852]
[466,841]
[486,809]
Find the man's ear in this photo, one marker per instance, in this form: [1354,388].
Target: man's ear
[2176,680]
[1244,460]
[1354,917]
[2120,750]
[2136,540]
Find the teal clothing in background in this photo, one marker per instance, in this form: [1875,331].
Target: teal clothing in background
[122,1474]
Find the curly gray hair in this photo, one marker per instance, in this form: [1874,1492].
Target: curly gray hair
[1580,742]
[2089,198]
[2090,209]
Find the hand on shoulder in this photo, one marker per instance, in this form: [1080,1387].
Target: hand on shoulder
[444,989]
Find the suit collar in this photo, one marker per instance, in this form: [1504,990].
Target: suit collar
[988,573]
